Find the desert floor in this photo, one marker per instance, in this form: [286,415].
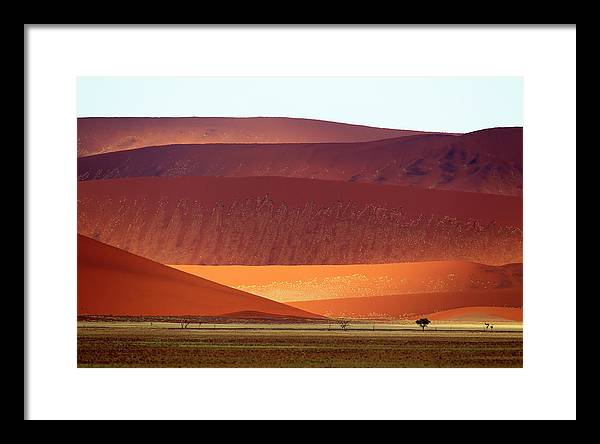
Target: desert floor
[362,344]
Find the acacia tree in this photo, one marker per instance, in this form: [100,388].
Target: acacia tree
[344,323]
[185,323]
[423,322]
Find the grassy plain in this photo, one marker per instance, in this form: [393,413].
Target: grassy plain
[399,344]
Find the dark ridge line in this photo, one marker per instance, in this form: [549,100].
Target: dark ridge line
[306,119]
[399,139]
[254,145]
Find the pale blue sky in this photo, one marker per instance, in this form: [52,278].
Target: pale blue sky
[453,104]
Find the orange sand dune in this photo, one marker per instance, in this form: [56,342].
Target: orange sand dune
[309,282]
[114,282]
[286,221]
[105,134]
[257,315]
[408,305]
[488,161]
[478,314]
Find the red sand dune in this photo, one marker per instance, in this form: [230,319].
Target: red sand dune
[285,283]
[488,161]
[408,305]
[478,314]
[114,282]
[284,221]
[106,134]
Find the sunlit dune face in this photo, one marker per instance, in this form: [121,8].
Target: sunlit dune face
[310,282]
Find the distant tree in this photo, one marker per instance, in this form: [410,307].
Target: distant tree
[423,322]
[344,323]
[185,323]
[486,325]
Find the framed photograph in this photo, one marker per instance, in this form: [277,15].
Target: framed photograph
[330,220]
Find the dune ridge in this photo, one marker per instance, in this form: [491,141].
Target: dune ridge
[107,134]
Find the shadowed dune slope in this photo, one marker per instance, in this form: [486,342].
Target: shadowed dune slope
[487,161]
[114,282]
[106,134]
[284,221]
[408,305]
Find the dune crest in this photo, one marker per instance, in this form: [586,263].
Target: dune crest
[107,134]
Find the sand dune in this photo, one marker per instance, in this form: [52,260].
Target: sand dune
[478,314]
[409,305]
[309,282]
[488,161]
[104,134]
[114,282]
[284,221]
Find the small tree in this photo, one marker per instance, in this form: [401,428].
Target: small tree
[423,322]
[344,323]
[184,323]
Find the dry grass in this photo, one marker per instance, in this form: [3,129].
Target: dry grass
[131,345]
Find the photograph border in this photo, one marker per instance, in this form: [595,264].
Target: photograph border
[54,388]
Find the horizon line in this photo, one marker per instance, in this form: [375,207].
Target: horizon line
[296,118]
